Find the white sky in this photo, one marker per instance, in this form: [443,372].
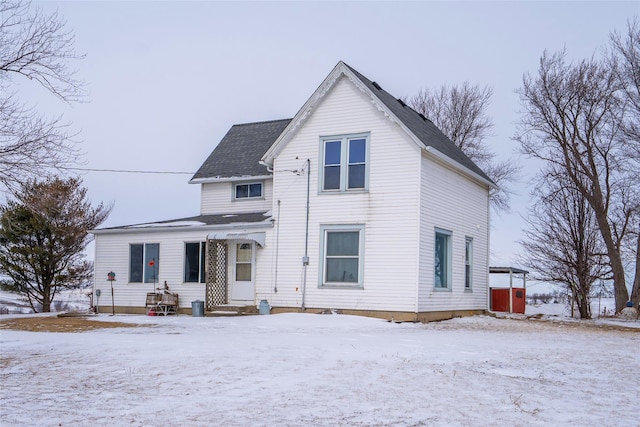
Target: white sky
[168,79]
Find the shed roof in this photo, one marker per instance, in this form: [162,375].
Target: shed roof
[513,270]
[225,219]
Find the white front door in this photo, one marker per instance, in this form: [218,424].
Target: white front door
[242,271]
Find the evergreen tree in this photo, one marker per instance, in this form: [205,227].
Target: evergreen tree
[43,234]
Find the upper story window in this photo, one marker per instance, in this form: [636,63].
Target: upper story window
[244,191]
[344,163]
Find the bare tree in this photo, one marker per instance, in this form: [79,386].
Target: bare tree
[460,112]
[34,47]
[624,56]
[572,118]
[562,244]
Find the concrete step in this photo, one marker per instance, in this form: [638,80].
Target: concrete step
[231,310]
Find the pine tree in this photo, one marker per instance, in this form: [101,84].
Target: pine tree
[43,234]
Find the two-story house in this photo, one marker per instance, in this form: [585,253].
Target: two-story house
[357,204]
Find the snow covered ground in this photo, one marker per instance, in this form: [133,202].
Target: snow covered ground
[73,300]
[600,307]
[322,370]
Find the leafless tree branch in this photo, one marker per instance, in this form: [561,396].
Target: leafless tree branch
[573,116]
[460,112]
[38,48]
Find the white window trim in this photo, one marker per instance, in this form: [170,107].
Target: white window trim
[247,183]
[144,262]
[344,162]
[449,256]
[468,241]
[251,262]
[324,229]
[201,248]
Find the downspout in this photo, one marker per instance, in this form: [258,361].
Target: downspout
[488,257]
[305,259]
[275,278]
[94,295]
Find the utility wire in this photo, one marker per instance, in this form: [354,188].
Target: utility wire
[128,171]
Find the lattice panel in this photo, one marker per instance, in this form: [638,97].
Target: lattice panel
[216,273]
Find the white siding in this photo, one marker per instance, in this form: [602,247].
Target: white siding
[217,198]
[409,195]
[389,210]
[452,202]
[112,254]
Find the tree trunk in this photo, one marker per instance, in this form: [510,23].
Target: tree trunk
[46,299]
[615,260]
[635,292]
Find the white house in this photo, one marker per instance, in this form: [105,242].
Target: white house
[358,204]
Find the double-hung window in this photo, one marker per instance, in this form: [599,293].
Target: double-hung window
[468,263]
[244,191]
[344,163]
[342,248]
[144,262]
[194,262]
[442,260]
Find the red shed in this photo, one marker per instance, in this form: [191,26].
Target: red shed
[511,299]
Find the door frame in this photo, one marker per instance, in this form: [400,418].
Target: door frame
[243,287]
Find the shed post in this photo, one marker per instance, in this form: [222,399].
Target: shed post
[510,291]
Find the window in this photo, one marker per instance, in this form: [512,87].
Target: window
[144,262]
[442,260]
[341,255]
[244,256]
[252,190]
[468,262]
[194,262]
[344,163]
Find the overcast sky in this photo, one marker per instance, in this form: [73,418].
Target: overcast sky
[167,80]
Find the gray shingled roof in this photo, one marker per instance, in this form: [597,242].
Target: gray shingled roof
[239,152]
[420,126]
[203,220]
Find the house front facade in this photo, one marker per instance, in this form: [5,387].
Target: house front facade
[357,204]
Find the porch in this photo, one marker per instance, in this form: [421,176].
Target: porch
[230,273]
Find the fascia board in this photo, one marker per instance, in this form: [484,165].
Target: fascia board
[457,166]
[216,227]
[230,179]
[302,114]
[306,110]
[314,100]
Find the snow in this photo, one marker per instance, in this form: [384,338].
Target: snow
[322,370]
[66,300]
[169,224]
[600,307]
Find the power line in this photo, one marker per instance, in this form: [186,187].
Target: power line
[129,171]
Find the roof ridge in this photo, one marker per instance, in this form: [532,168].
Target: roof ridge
[430,135]
[262,122]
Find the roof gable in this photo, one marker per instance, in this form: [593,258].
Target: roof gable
[420,129]
[238,153]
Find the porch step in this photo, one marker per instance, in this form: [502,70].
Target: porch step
[231,310]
